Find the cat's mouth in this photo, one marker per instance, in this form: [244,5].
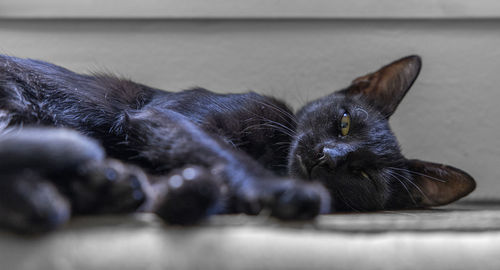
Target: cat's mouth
[308,170]
[316,169]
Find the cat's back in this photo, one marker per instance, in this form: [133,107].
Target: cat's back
[37,92]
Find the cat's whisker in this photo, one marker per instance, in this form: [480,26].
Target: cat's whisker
[291,132]
[301,164]
[341,196]
[281,128]
[262,127]
[404,186]
[412,183]
[280,166]
[272,123]
[260,117]
[420,174]
[136,157]
[283,143]
[278,109]
[222,105]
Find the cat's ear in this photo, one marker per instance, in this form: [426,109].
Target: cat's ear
[437,184]
[385,88]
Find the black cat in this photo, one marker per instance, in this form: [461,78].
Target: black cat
[197,153]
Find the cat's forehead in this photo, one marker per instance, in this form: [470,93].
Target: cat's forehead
[335,103]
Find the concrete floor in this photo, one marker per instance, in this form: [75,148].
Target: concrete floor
[460,236]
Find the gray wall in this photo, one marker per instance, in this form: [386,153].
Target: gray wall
[450,115]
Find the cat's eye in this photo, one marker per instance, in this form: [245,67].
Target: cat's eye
[365,175]
[345,124]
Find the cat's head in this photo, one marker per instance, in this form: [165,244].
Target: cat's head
[344,141]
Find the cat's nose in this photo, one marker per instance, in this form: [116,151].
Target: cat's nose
[335,156]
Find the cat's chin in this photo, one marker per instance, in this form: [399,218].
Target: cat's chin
[351,190]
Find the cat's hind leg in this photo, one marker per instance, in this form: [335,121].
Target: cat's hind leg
[48,174]
[107,187]
[31,204]
[46,149]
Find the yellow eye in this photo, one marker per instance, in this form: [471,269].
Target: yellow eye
[365,175]
[345,124]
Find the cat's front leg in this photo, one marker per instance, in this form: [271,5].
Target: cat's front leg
[166,140]
[188,195]
[286,199]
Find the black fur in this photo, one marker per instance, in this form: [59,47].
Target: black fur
[202,153]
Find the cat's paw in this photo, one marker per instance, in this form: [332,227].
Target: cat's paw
[299,201]
[108,187]
[187,195]
[31,204]
[285,199]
